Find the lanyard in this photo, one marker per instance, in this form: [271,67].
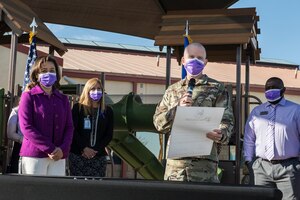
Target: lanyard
[93,136]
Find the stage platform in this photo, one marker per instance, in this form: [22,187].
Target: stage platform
[16,187]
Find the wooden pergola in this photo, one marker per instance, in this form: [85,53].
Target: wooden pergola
[219,30]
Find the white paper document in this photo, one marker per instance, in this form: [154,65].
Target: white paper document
[188,134]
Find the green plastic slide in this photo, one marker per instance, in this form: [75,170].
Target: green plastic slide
[130,116]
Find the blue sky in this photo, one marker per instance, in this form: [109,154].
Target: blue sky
[279,24]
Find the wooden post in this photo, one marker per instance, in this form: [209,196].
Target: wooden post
[238,119]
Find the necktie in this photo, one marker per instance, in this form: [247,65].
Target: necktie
[269,148]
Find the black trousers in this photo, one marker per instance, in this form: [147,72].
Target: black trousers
[14,161]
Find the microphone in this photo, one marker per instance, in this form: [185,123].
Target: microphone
[191,86]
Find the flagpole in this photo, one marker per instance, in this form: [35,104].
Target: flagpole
[186,42]
[33,25]
[32,53]
[187,28]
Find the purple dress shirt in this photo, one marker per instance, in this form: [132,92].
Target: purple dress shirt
[46,123]
[287,131]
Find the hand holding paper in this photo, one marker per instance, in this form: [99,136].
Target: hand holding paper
[188,135]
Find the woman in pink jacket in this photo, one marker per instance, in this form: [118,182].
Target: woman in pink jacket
[45,121]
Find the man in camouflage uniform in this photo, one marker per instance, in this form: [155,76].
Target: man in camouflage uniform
[206,93]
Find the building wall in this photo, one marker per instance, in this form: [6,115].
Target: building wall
[118,87]
[148,88]
[111,87]
[20,67]
[4,65]
[150,93]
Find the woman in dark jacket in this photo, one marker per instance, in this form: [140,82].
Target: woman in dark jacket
[93,123]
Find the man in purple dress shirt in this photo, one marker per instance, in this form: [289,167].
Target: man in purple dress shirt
[272,141]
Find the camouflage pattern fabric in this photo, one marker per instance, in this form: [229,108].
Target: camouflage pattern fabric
[192,170]
[207,93]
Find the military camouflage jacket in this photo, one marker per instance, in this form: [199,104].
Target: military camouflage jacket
[207,93]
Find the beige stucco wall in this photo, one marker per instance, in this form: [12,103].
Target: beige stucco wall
[150,93]
[118,87]
[111,87]
[4,65]
[148,88]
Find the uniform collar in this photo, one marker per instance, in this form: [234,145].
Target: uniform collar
[202,81]
[38,90]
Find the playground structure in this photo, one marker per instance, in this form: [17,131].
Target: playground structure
[228,34]
[127,113]
[130,116]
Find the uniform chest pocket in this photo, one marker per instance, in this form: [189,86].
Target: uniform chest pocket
[205,101]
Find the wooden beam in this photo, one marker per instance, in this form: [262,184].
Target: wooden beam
[1,15]
[210,12]
[208,27]
[203,20]
[214,39]
[208,32]
[13,25]
[216,53]
[161,6]
[24,38]
[51,50]
[254,43]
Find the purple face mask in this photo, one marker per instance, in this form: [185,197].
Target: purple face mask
[273,95]
[194,66]
[47,79]
[95,95]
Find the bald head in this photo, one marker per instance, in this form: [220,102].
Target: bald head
[195,48]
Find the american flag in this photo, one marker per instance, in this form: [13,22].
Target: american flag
[32,55]
[187,40]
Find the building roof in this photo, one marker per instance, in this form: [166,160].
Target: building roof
[92,61]
[110,45]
